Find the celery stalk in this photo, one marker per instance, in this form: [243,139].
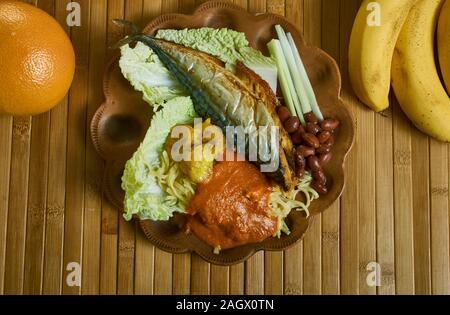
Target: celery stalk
[306,82]
[297,80]
[287,85]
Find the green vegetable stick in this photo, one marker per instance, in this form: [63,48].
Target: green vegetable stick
[287,85]
[306,82]
[297,81]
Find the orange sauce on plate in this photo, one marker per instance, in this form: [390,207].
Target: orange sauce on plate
[231,208]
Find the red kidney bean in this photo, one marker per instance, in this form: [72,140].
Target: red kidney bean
[313,163]
[310,117]
[301,130]
[320,177]
[324,149]
[329,124]
[330,141]
[297,137]
[324,136]
[291,125]
[300,166]
[324,159]
[300,160]
[321,189]
[313,128]
[283,113]
[311,140]
[300,171]
[306,151]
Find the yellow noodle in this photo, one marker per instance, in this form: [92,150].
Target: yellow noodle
[283,203]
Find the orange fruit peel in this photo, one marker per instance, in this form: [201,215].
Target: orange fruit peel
[37,60]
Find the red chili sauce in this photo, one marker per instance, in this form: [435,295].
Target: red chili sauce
[231,208]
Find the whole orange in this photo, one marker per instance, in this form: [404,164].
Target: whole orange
[37,61]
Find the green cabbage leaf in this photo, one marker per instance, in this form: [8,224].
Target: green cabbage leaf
[147,74]
[146,193]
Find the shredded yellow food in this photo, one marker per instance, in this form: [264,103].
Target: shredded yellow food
[283,203]
[178,187]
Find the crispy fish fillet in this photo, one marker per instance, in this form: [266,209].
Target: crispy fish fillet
[220,95]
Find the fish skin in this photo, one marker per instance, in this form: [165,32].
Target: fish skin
[231,98]
[264,92]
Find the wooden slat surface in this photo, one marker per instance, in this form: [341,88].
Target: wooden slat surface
[421,212]
[384,202]
[394,211]
[56,191]
[349,237]
[330,219]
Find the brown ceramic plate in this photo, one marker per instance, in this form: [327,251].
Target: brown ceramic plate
[121,122]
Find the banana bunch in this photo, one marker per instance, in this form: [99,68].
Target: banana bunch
[401,50]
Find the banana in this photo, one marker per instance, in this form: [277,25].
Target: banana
[415,77]
[444,43]
[371,49]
